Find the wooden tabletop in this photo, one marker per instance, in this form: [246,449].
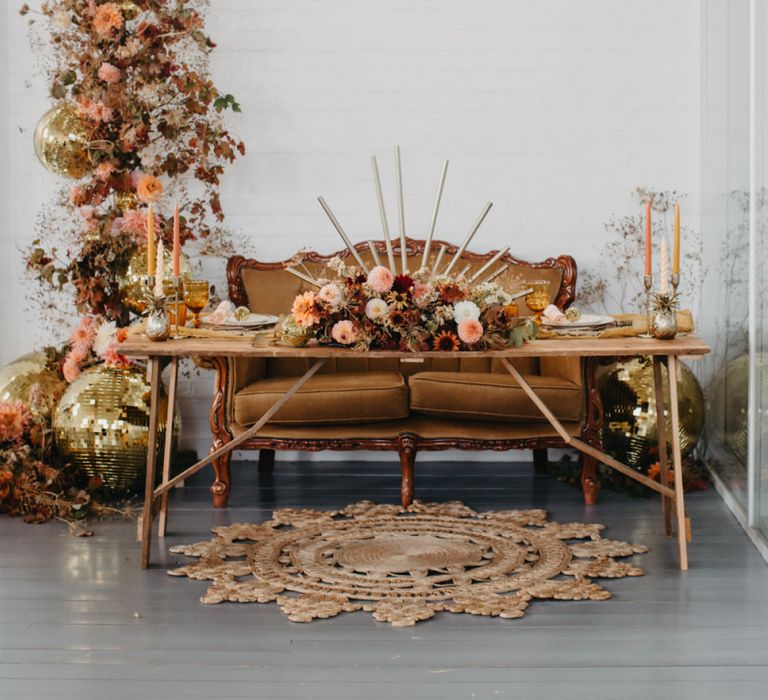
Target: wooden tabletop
[140,346]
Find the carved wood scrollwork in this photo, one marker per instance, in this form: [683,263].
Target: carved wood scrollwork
[222,483]
[591,431]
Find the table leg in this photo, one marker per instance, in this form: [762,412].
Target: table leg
[677,463]
[666,503]
[147,514]
[168,448]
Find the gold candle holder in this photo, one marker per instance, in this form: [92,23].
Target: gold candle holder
[175,306]
[675,282]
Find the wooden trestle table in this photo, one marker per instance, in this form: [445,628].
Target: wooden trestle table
[662,351]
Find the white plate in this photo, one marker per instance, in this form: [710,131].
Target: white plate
[585,321]
[250,321]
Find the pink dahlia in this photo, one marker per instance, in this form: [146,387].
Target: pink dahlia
[109,73]
[380,279]
[470,331]
[330,294]
[71,370]
[343,332]
[14,418]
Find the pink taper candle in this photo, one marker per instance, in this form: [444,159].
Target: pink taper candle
[150,241]
[648,237]
[176,242]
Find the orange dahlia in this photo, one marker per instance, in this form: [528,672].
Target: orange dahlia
[107,18]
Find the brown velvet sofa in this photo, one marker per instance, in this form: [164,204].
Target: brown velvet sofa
[407,405]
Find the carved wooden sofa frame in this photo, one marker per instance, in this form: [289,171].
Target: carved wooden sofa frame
[407,445]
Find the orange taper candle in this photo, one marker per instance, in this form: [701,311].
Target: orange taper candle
[176,242]
[648,237]
[676,250]
[150,242]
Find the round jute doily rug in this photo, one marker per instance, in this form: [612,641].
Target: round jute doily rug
[405,565]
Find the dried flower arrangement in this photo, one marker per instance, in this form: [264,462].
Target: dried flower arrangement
[381,310]
[130,79]
[136,73]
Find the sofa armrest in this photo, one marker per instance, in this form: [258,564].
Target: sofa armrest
[567,368]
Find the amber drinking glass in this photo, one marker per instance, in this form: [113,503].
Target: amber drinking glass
[196,298]
[538,299]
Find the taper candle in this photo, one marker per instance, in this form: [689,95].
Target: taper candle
[648,236]
[344,237]
[400,211]
[676,250]
[150,241]
[469,237]
[383,214]
[176,242]
[433,220]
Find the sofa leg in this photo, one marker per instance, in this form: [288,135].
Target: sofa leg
[590,484]
[540,461]
[266,462]
[222,483]
[407,452]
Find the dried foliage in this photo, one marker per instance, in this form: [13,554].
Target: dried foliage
[137,73]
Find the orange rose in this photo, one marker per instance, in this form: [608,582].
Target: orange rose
[149,188]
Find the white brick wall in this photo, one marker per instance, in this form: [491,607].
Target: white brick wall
[555,110]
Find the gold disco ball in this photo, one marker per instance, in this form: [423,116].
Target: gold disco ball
[629,430]
[101,425]
[61,142]
[735,394]
[129,9]
[126,200]
[27,373]
[133,282]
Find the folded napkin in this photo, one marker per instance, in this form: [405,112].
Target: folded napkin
[221,313]
[554,315]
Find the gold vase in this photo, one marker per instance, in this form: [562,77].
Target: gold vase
[630,429]
[101,425]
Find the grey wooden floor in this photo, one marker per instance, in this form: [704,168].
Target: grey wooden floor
[79,619]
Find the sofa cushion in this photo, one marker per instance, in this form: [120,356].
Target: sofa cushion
[488,396]
[353,397]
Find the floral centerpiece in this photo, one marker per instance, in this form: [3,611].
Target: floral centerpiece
[381,310]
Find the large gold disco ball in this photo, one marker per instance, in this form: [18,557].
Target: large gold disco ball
[629,402]
[133,282]
[28,378]
[61,142]
[102,425]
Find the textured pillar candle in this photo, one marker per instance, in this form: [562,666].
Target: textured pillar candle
[664,268]
[150,242]
[176,242]
[676,249]
[159,272]
[648,237]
